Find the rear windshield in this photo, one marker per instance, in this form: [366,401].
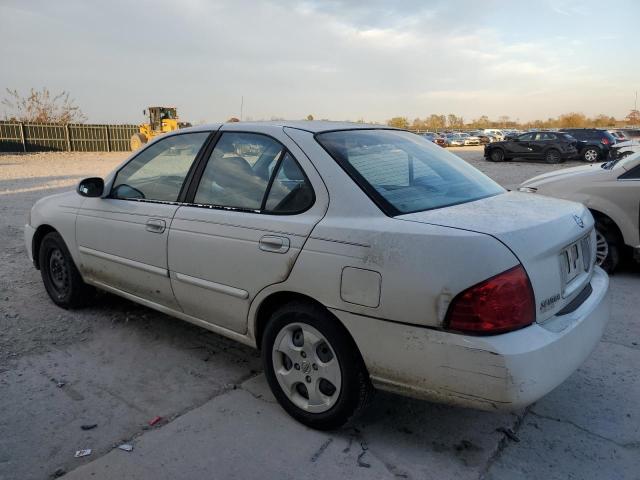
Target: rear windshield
[403,173]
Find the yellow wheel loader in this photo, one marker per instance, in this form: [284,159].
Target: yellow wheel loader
[161,120]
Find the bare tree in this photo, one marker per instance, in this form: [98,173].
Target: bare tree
[399,122]
[42,106]
[633,118]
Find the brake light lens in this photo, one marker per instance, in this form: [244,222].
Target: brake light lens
[605,141]
[500,304]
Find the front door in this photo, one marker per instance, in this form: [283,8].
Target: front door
[520,147]
[122,238]
[253,209]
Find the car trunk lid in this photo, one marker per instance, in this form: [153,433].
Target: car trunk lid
[553,239]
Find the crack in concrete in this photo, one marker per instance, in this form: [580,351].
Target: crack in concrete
[503,443]
[637,348]
[629,445]
[145,429]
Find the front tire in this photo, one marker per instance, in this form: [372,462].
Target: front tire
[61,278]
[314,369]
[607,246]
[496,155]
[137,141]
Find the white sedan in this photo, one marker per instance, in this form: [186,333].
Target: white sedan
[353,256]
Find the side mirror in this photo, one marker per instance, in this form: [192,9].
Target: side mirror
[91,187]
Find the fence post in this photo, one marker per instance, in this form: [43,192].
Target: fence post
[24,144]
[106,136]
[67,136]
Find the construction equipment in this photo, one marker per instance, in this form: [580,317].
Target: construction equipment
[161,120]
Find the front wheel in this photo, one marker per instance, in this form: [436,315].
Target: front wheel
[496,155]
[607,247]
[59,274]
[137,140]
[313,367]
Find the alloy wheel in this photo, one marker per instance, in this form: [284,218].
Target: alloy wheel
[590,155]
[602,248]
[306,367]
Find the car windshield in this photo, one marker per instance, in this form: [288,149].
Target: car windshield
[404,173]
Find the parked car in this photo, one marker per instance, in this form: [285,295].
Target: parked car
[349,254]
[620,150]
[551,147]
[611,191]
[454,140]
[469,139]
[495,133]
[435,138]
[483,138]
[618,135]
[630,133]
[593,143]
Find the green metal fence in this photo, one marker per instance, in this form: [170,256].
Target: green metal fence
[74,137]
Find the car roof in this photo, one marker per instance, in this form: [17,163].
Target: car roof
[313,126]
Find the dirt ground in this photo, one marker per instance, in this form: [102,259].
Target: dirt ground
[117,365]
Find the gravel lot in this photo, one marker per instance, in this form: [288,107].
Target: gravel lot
[118,365]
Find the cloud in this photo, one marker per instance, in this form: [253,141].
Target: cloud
[335,59]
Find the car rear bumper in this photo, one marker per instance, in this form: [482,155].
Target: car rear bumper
[507,371]
[29,232]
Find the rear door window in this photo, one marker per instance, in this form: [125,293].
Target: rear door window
[250,171]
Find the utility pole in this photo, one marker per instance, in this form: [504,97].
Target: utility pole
[241,106]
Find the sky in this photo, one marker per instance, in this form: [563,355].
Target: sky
[334,59]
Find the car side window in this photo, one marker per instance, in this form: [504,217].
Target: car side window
[290,191]
[633,174]
[158,172]
[527,137]
[238,171]
[545,136]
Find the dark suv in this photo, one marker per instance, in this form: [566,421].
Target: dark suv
[593,143]
[552,147]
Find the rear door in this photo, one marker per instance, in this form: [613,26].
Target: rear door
[541,142]
[122,238]
[251,210]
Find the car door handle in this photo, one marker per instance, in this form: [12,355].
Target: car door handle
[273,243]
[155,225]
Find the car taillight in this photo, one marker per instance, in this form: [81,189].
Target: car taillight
[497,305]
[605,141]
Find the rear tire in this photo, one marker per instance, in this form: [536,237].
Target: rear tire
[607,246]
[590,154]
[59,274]
[552,156]
[496,155]
[313,367]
